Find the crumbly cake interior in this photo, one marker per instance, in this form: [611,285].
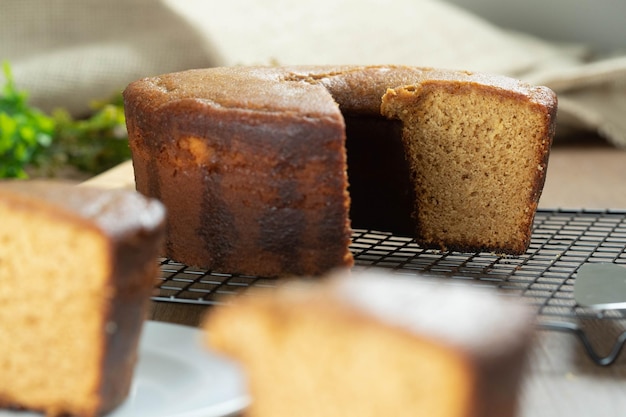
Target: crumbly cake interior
[475,157]
[353,357]
[52,295]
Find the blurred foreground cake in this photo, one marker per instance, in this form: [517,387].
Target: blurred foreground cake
[77,268]
[264,171]
[374,345]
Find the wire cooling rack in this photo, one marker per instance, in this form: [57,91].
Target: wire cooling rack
[544,276]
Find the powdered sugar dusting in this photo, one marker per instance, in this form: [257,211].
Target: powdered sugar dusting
[459,315]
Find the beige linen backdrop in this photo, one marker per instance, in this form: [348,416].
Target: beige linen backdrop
[67,53]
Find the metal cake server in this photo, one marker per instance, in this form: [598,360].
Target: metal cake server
[601,286]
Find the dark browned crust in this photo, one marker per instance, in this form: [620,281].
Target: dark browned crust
[278,230]
[134,274]
[270,228]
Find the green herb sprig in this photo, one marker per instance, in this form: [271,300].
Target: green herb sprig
[93,144]
[33,143]
[24,130]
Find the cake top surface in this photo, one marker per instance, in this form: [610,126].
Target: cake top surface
[473,319]
[247,88]
[459,314]
[312,90]
[116,212]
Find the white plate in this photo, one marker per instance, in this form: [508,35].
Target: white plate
[177,377]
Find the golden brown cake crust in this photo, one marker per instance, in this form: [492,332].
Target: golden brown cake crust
[133,226]
[233,153]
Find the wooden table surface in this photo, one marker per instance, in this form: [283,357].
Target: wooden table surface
[561,379]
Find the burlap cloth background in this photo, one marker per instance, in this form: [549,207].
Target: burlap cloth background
[67,53]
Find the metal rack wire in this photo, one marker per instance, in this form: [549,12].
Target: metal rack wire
[544,276]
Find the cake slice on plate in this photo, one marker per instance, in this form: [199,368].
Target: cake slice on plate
[77,268]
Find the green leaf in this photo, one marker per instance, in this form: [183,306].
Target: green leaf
[21,128]
[31,139]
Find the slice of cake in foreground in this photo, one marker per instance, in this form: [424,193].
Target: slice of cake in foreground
[77,268]
[373,344]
